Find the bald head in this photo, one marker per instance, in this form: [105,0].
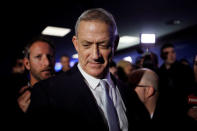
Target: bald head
[149,78]
[146,84]
[145,77]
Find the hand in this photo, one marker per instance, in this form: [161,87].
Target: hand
[24,99]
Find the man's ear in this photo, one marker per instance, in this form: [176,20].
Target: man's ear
[150,91]
[26,63]
[75,42]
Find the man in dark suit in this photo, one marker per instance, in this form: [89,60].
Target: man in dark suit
[87,97]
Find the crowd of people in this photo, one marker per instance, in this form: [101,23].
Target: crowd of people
[96,93]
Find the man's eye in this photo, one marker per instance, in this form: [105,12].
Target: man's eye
[104,46]
[85,45]
[38,56]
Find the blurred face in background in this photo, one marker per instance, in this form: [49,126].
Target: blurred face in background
[65,61]
[19,67]
[141,93]
[94,46]
[170,55]
[41,61]
[128,69]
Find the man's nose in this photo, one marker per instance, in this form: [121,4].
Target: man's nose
[46,61]
[95,52]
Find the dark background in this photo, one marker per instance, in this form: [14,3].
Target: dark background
[21,21]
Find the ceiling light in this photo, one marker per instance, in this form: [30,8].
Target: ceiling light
[127,41]
[147,38]
[56,31]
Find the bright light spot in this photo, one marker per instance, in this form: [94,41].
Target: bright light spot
[58,66]
[75,56]
[56,31]
[128,58]
[147,38]
[127,41]
[72,63]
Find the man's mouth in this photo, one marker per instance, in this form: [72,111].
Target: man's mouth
[94,64]
[47,70]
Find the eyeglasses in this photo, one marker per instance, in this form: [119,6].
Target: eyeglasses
[142,86]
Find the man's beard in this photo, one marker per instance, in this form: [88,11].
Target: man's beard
[39,77]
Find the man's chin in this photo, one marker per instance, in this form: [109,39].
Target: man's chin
[46,76]
[96,73]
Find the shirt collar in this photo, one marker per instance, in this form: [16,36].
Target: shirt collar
[92,81]
[151,115]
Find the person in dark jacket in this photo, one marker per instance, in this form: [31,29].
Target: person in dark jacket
[87,97]
[176,81]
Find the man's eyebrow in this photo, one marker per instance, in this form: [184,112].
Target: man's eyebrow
[103,41]
[85,41]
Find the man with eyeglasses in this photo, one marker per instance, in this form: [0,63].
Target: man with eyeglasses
[145,82]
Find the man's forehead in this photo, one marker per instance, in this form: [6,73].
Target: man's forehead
[92,24]
[168,49]
[40,46]
[41,51]
[64,58]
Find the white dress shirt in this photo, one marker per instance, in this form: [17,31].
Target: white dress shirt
[93,84]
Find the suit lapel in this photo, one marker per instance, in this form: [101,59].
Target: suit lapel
[87,101]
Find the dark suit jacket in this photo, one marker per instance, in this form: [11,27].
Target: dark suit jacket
[66,97]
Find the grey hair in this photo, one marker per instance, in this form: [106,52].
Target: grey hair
[100,15]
